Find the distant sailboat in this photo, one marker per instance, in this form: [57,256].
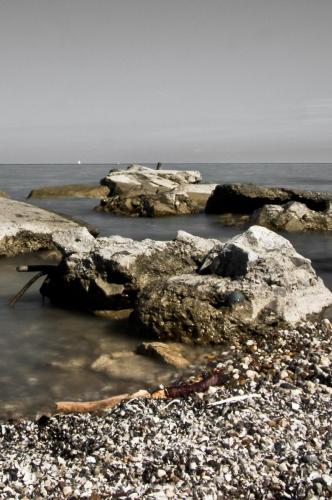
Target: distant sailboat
[79,162]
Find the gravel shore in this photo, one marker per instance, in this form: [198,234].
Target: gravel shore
[266,433]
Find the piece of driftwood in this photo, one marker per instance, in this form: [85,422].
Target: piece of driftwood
[76,406]
[181,390]
[88,406]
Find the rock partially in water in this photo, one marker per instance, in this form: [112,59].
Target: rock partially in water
[137,177]
[69,191]
[275,208]
[150,205]
[199,193]
[246,198]
[243,198]
[27,228]
[293,216]
[256,281]
[145,192]
[106,273]
[193,289]
[170,353]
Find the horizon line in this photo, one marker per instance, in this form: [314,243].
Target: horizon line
[177,163]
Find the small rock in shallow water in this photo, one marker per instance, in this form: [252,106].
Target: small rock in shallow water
[168,353]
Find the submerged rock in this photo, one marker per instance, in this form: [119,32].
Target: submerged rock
[112,366]
[27,228]
[69,191]
[170,353]
[145,192]
[126,366]
[120,315]
[192,289]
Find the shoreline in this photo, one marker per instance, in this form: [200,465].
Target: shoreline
[276,442]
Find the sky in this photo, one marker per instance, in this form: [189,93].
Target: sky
[165,80]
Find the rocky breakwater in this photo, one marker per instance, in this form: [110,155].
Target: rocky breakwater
[275,208]
[69,191]
[192,289]
[142,191]
[26,228]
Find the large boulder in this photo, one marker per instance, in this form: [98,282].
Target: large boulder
[27,228]
[191,289]
[199,193]
[145,192]
[254,282]
[293,216]
[246,198]
[107,273]
[149,205]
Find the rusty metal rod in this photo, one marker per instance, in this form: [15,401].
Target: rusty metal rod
[20,294]
[44,268]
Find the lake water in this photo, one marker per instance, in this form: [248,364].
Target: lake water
[46,353]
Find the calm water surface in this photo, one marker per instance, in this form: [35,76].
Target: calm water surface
[46,353]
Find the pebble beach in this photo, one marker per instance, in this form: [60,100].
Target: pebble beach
[265,433]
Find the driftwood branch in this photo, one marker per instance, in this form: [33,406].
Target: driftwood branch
[169,393]
[72,406]
[87,406]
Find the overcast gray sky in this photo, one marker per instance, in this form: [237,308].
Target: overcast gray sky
[167,80]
